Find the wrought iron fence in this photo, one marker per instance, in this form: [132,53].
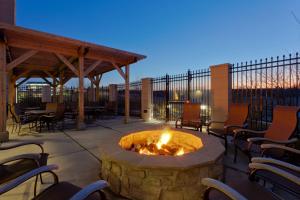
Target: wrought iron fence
[265,84]
[29,95]
[135,98]
[170,92]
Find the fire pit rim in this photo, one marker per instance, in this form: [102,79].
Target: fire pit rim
[212,149]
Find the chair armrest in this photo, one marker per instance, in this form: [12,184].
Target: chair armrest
[215,122]
[275,170]
[233,126]
[238,131]
[21,179]
[225,189]
[278,146]
[34,157]
[21,144]
[90,189]
[275,162]
[261,139]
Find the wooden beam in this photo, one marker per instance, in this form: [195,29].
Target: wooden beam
[127,94]
[62,66]
[20,59]
[92,67]
[47,81]
[48,73]
[66,79]
[25,73]
[119,70]
[23,81]
[67,63]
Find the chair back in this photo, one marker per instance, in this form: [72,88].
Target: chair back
[51,107]
[284,123]
[237,114]
[191,112]
[60,113]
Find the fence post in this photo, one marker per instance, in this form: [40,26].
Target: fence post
[167,98]
[189,79]
[113,95]
[147,99]
[221,87]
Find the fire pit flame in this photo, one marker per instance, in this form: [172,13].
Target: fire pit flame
[162,145]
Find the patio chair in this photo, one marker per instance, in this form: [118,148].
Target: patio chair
[281,152]
[51,107]
[19,120]
[242,187]
[54,118]
[58,190]
[13,167]
[237,118]
[191,116]
[281,131]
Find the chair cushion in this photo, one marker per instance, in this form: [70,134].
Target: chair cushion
[240,182]
[13,170]
[63,191]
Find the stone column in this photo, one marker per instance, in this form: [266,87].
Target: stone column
[220,91]
[147,99]
[3,93]
[113,95]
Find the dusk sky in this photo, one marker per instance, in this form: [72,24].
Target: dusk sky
[175,35]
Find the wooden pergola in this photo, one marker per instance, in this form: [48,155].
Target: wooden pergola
[26,53]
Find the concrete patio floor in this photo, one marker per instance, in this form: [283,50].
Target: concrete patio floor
[77,153]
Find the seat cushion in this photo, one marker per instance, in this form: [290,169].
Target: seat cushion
[63,191]
[13,170]
[240,182]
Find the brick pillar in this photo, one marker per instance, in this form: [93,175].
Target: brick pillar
[147,99]
[8,11]
[220,91]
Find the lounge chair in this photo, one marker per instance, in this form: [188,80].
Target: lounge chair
[242,187]
[281,131]
[13,167]
[281,152]
[191,116]
[237,118]
[58,190]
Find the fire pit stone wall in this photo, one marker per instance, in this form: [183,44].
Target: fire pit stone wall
[145,177]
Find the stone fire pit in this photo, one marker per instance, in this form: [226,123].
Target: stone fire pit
[160,177]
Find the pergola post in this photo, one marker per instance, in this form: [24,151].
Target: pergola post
[61,87]
[127,95]
[11,91]
[80,122]
[3,93]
